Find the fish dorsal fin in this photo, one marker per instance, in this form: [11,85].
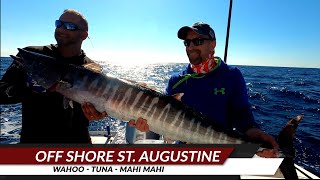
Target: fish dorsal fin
[145,85]
[142,85]
[131,81]
[178,96]
[93,67]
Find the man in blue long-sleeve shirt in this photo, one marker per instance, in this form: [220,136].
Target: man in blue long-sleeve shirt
[212,87]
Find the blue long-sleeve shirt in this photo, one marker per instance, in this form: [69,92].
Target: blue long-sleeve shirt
[221,95]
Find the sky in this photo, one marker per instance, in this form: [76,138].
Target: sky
[282,33]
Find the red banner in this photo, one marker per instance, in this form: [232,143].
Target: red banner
[113,155]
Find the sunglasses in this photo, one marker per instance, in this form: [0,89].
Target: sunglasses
[67,25]
[195,41]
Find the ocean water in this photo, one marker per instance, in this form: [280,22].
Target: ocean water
[276,94]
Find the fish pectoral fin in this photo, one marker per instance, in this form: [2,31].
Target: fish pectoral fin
[60,85]
[64,84]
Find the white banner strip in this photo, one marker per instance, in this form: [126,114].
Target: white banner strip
[232,166]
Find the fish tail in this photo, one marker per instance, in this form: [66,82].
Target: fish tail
[285,141]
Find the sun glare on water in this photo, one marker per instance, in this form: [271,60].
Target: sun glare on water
[133,58]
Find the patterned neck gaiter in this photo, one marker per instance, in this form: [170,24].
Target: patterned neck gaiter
[200,70]
[208,65]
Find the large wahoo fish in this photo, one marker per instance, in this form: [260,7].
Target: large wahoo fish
[123,99]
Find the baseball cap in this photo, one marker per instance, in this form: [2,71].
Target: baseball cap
[199,28]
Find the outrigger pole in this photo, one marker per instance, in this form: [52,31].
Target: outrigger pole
[228,29]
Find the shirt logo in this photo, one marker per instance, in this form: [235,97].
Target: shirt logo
[221,90]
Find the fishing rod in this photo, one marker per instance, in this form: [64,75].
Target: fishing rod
[228,29]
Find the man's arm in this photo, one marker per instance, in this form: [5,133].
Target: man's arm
[243,116]
[259,135]
[88,109]
[245,120]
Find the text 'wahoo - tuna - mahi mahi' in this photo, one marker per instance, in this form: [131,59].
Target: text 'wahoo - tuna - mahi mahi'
[123,99]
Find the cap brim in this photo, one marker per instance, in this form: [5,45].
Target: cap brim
[183,32]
